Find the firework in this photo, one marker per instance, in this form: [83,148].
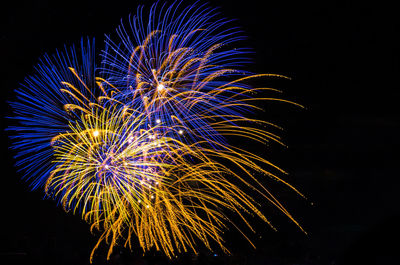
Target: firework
[176,69]
[106,166]
[142,145]
[42,103]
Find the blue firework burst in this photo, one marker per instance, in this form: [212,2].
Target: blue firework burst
[40,111]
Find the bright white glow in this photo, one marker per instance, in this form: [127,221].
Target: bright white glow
[152,196]
[96,133]
[158,121]
[106,166]
[160,87]
[156,182]
[147,206]
[139,201]
[180,132]
[125,164]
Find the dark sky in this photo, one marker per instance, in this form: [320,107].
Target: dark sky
[343,60]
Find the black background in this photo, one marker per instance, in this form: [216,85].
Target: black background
[342,153]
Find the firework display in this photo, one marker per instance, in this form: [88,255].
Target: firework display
[143,145]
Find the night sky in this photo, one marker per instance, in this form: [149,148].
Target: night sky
[343,147]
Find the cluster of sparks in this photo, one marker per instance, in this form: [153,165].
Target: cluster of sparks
[140,146]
